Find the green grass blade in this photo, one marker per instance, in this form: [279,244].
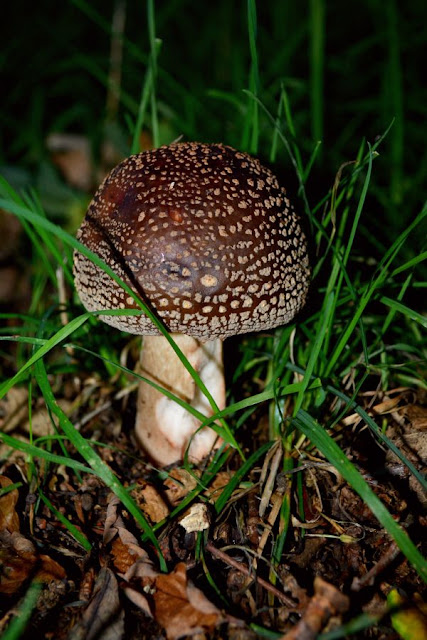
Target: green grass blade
[239,475]
[292,131]
[93,460]
[401,308]
[317,47]
[327,445]
[360,623]
[154,49]
[351,404]
[410,264]
[74,532]
[325,322]
[392,312]
[251,128]
[38,452]
[22,613]
[264,396]
[378,280]
[59,336]
[289,151]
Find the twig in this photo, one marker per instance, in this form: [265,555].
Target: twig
[326,602]
[243,569]
[369,578]
[272,462]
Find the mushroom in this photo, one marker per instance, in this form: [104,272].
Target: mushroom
[210,241]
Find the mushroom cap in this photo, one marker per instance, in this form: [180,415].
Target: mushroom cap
[204,234]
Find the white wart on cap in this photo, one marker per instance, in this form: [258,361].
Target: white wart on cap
[203,232]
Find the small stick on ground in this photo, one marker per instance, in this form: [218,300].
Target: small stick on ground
[326,602]
[386,559]
[244,569]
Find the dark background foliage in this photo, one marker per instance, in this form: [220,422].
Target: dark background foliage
[55,64]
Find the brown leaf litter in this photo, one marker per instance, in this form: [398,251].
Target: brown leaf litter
[221,575]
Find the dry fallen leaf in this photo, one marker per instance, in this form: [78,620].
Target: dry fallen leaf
[128,557]
[181,608]
[104,617]
[178,484]
[150,502]
[9,519]
[412,441]
[123,556]
[327,601]
[13,408]
[416,415]
[19,561]
[216,487]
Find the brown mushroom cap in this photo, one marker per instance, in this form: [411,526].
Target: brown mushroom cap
[203,232]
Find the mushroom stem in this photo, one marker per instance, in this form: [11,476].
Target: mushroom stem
[163,427]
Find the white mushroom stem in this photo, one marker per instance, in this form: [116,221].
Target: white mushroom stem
[164,428]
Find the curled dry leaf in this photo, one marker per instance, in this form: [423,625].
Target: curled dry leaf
[178,484]
[20,561]
[150,502]
[123,556]
[112,520]
[411,438]
[216,487]
[416,415]
[327,601]
[181,608]
[17,561]
[9,519]
[125,548]
[103,618]
[129,559]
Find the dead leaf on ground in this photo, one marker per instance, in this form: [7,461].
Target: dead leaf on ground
[327,601]
[124,557]
[216,487]
[411,438]
[9,518]
[13,408]
[14,413]
[181,608]
[19,561]
[178,484]
[129,559]
[104,617]
[416,414]
[150,502]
